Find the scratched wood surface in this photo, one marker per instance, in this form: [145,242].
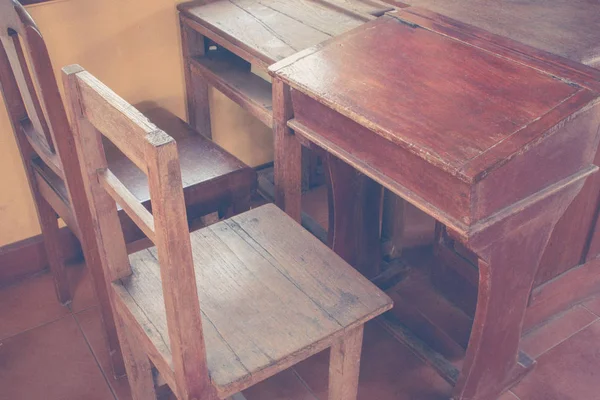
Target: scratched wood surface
[494,142]
[271,30]
[568,28]
[271,293]
[472,121]
[435,98]
[207,170]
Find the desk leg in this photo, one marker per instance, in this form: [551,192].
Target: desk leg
[509,250]
[355,204]
[288,154]
[196,87]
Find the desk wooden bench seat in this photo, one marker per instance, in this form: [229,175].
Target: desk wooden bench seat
[225,181]
[492,139]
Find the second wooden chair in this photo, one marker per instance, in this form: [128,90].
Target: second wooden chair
[222,308]
[214,180]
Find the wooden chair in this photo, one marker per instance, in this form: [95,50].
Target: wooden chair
[222,308]
[214,180]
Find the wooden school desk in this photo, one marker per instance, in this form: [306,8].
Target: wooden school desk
[492,139]
[223,39]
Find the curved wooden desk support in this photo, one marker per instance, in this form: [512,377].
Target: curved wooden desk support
[515,242]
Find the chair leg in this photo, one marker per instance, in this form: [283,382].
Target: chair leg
[137,364]
[108,321]
[344,366]
[53,247]
[101,287]
[241,204]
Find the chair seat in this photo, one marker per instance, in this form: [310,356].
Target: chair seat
[211,176]
[271,295]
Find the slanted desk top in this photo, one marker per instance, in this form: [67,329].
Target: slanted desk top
[568,28]
[460,109]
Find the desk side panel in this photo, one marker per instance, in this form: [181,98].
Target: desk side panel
[575,239]
[435,190]
[561,151]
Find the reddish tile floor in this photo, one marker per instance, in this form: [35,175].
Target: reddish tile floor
[54,353]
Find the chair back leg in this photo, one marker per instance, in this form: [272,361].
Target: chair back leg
[50,232]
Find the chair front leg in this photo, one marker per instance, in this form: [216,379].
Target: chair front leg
[344,365]
[137,365]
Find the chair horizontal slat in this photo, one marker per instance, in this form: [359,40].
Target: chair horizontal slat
[27,87]
[130,204]
[40,146]
[119,121]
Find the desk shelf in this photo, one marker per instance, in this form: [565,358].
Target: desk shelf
[232,76]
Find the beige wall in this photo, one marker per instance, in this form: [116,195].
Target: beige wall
[132,46]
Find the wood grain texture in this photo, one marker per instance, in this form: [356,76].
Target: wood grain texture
[355,203]
[42,130]
[567,28]
[27,96]
[176,268]
[561,293]
[517,239]
[574,227]
[271,293]
[232,76]
[193,44]
[344,366]
[583,75]
[107,230]
[157,152]
[288,154]
[303,293]
[425,122]
[270,30]
[499,183]
[495,151]
[137,364]
[103,109]
[212,177]
[122,196]
[364,7]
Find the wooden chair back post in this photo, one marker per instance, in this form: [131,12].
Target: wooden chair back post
[41,112]
[96,111]
[42,131]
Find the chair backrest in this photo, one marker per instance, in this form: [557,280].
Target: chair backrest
[97,111]
[30,89]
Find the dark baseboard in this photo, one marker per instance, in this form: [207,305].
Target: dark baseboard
[26,257]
